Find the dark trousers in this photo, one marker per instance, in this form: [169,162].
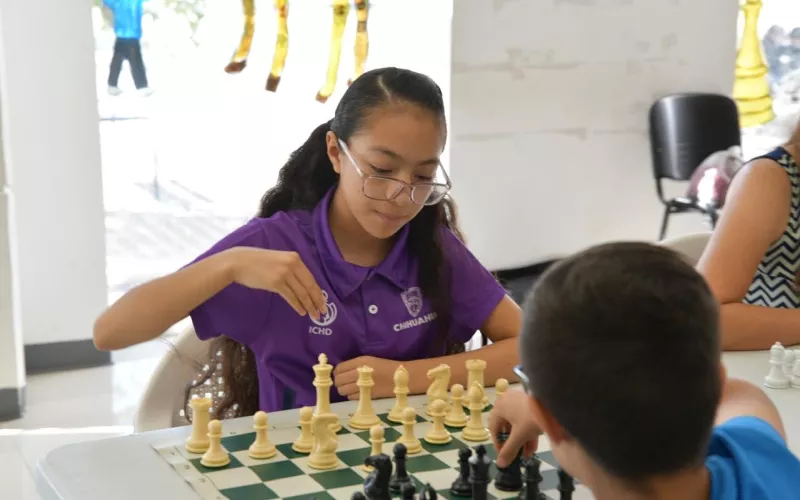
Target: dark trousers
[127,49]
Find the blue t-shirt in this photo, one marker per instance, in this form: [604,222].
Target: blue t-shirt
[749,460]
[127,18]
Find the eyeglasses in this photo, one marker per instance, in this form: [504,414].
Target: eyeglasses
[383,188]
[522,378]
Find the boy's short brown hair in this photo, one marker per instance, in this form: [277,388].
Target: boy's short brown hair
[621,344]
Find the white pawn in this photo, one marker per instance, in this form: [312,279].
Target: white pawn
[776,379]
[438,434]
[456,416]
[475,430]
[788,361]
[413,444]
[305,443]
[795,378]
[216,456]
[376,438]
[261,449]
[500,388]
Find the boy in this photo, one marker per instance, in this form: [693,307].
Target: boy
[620,355]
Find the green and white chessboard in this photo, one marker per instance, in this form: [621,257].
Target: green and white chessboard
[288,476]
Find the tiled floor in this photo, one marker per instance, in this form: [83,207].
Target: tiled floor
[72,406]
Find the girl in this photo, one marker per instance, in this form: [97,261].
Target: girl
[753,257]
[356,253]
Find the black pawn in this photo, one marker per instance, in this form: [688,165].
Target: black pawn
[461,486]
[509,478]
[532,479]
[566,485]
[479,473]
[408,491]
[400,476]
[358,495]
[427,493]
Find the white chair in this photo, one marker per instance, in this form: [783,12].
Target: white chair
[690,245]
[165,395]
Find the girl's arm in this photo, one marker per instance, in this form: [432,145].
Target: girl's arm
[150,309]
[502,327]
[755,215]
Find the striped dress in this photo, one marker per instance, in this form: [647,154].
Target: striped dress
[774,284]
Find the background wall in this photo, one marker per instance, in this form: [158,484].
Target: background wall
[52,153]
[549,116]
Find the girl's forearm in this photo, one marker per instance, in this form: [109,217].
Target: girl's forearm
[746,327]
[500,360]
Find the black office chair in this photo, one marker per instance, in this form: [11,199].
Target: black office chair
[684,130]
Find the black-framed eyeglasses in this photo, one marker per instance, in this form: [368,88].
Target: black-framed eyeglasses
[383,188]
[518,371]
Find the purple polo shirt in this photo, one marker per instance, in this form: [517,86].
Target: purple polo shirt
[376,311]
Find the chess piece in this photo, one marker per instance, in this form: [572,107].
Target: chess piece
[323,455]
[198,441]
[533,478]
[376,439]
[376,485]
[566,485]
[500,388]
[408,490]
[305,443]
[461,487]
[215,456]
[437,434]
[479,473]
[261,448]
[456,416]
[323,383]
[475,430]
[365,416]
[796,372]
[475,369]
[438,388]
[358,495]
[776,379]
[509,478]
[788,362]
[413,445]
[400,476]
[427,493]
[401,395]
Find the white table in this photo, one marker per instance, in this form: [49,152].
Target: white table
[127,468]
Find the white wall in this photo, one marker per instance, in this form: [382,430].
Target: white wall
[549,108]
[52,153]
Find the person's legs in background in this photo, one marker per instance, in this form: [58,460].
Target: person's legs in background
[116,67]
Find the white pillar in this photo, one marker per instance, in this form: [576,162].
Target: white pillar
[549,100]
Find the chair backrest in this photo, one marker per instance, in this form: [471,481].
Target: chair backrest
[686,128]
[691,246]
[165,395]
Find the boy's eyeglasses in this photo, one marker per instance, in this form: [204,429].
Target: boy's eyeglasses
[383,188]
[522,378]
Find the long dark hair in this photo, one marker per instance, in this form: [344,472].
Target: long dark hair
[305,179]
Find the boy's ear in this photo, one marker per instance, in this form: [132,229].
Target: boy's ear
[548,423]
[333,150]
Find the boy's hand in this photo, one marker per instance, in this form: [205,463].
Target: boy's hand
[512,414]
[345,376]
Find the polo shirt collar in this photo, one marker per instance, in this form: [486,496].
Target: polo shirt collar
[345,277]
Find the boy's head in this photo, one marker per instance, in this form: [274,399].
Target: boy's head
[620,344]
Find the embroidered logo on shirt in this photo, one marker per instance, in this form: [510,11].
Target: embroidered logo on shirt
[327,318]
[412,298]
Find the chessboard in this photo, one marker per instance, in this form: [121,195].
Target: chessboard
[288,476]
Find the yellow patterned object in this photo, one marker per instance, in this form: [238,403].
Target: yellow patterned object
[239,59]
[362,38]
[281,45]
[341,8]
[751,88]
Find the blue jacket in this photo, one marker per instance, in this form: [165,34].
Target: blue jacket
[127,17]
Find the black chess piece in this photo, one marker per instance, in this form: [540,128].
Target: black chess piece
[566,485]
[428,493]
[461,486]
[400,476]
[532,479]
[509,478]
[358,495]
[408,491]
[479,473]
[376,485]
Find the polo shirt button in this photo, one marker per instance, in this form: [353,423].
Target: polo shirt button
[373,309]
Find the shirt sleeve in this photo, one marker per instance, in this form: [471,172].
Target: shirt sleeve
[474,291]
[238,312]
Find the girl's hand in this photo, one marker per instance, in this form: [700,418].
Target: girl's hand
[345,376]
[511,413]
[280,272]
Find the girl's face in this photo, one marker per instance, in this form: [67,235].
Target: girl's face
[401,142]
